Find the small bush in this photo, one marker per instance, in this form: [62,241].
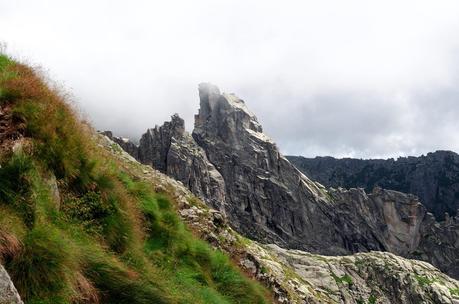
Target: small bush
[10,246]
[88,208]
[5,61]
[13,177]
[372,299]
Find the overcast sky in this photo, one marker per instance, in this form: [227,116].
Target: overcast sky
[342,78]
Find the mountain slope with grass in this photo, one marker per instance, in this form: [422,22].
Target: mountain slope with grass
[75,227]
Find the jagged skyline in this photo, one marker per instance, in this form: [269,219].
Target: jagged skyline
[325,78]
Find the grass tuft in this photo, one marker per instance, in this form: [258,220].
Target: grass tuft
[44,268]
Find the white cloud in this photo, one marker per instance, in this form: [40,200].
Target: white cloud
[360,78]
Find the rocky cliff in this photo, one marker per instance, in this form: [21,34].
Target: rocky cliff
[172,150]
[434,178]
[268,199]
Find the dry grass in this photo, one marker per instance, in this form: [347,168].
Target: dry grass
[85,291]
[61,139]
[10,246]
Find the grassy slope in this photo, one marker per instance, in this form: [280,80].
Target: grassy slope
[107,237]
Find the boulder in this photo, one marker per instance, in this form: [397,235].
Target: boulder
[8,293]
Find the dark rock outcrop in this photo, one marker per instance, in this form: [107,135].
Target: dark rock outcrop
[155,143]
[434,178]
[172,150]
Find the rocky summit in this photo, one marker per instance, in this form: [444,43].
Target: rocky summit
[234,166]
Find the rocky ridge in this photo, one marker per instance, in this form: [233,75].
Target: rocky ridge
[172,150]
[269,200]
[297,276]
[434,177]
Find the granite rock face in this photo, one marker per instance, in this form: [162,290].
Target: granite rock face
[155,143]
[8,293]
[268,199]
[434,178]
[172,150]
[187,162]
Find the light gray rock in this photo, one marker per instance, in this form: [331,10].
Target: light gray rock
[8,293]
[374,277]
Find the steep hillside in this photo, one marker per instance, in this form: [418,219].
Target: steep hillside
[78,226]
[434,178]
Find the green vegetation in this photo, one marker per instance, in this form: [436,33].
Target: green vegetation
[454,291]
[343,279]
[424,281]
[372,299]
[107,237]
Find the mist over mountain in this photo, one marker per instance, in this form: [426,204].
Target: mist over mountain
[323,77]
